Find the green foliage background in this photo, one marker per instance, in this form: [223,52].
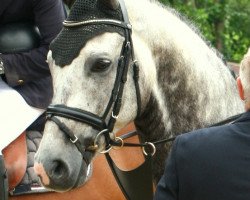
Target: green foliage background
[225,23]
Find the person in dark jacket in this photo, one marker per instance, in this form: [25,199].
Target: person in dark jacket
[212,163]
[27,71]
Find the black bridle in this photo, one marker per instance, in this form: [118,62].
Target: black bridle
[105,126]
[115,101]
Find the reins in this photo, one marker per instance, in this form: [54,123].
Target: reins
[171,139]
[136,178]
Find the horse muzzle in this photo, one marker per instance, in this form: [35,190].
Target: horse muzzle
[62,173]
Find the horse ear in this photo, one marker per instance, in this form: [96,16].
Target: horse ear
[240,89]
[111,4]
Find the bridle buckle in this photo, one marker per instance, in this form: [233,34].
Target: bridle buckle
[74,140]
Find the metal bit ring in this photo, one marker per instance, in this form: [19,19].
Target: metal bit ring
[150,144]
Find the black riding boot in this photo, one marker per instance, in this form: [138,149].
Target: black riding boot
[3,180]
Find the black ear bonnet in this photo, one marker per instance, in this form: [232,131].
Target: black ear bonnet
[67,45]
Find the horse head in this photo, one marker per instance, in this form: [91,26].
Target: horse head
[94,76]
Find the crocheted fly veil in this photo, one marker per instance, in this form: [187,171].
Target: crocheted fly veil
[66,47]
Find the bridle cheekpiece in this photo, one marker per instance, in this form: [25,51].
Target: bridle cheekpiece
[115,101]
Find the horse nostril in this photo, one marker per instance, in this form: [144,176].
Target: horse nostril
[59,170]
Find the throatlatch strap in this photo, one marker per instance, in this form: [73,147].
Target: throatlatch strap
[135,184]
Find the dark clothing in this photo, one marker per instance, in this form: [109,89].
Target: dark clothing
[28,72]
[209,164]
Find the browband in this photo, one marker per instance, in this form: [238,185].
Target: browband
[96,22]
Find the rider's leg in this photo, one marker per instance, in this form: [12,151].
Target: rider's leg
[3,180]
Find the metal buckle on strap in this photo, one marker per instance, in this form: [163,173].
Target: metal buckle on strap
[120,140]
[74,140]
[114,116]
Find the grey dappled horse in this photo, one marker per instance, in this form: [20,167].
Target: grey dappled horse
[184,84]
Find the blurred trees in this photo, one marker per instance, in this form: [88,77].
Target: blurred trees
[225,23]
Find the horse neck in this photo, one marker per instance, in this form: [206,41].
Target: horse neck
[171,53]
[154,122]
[189,79]
[183,61]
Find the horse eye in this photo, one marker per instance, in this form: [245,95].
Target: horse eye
[101,65]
